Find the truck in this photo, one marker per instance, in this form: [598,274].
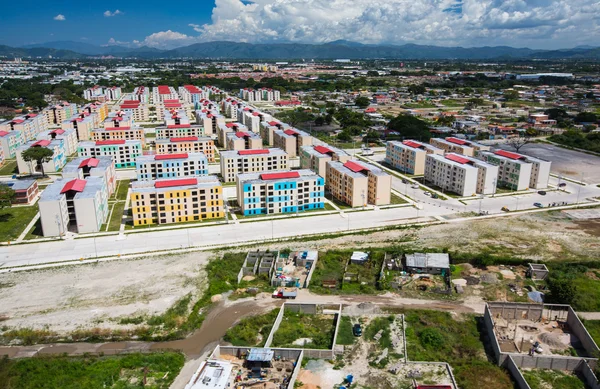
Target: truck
[285,293]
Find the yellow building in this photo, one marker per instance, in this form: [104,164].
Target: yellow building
[176,200]
[187,144]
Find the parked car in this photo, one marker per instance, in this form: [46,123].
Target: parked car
[427,194]
[562,184]
[542,192]
[404,181]
[539,205]
[357,330]
[434,196]
[415,186]
[505,209]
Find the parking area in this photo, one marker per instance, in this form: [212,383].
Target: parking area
[565,162]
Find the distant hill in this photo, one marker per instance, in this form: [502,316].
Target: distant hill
[331,50]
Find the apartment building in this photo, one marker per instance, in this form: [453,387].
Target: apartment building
[188,144]
[262,94]
[2,157]
[58,113]
[164,166]
[291,140]
[249,161]
[230,108]
[10,141]
[68,137]
[30,125]
[26,190]
[58,160]
[119,133]
[267,130]
[283,191]
[452,173]
[206,104]
[141,94]
[163,92]
[102,94]
[409,156]
[315,158]
[178,131]
[358,183]
[100,109]
[252,118]
[119,119]
[459,146]
[123,152]
[517,171]
[209,120]
[176,200]
[82,123]
[138,110]
[224,129]
[243,140]
[84,167]
[74,205]
[191,94]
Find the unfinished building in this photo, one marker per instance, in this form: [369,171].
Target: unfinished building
[258,263]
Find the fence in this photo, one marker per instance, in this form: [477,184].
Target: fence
[516,374]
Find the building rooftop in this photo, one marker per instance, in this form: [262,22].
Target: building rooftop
[437,260]
[413,144]
[184,139]
[177,183]
[87,188]
[356,168]
[170,157]
[323,150]
[99,163]
[252,152]
[278,175]
[129,142]
[18,185]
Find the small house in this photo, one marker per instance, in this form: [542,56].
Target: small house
[537,271]
[359,258]
[428,263]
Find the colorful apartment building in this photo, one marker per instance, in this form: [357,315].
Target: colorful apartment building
[262,94]
[139,111]
[83,124]
[58,160]
[458,146]
[68,136]
[229,107]
[291,141]
[252,118]
[26,190]
[178,131]
[315,158]
[517,171]
[55,115]
[243,140]
[224,129]
[409,156]
[10,141]
[358,183]
[84,167]
[189,144]
[455,173]
[141,94]
[98,108]
[30,125]
[119,133]
[191,94]
[163,92]
[123,152]
[119,119]
[267,130]
[249,161]
[158,167]
[73,205]
[209,120]
[102,94]
[283,191]
[176,200]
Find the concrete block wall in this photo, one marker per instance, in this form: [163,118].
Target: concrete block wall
[489,327]
[310,309]
[588,374]
[275,326]
[579,330]
[515,373]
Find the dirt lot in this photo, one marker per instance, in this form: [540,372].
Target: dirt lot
[73,297]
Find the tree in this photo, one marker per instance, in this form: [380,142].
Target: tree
[372,73]
[562,290]
[344,136]
[511,95]
[416,89]
[40,155]
[295,117]
[518,142]
[410,127]
[372,136]
[319,121]
[586,117]
[446,120]
[556,113]
[7,195]
[362,102]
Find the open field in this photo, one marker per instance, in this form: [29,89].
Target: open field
[298,330]
[14,220]
[542,379]
[9,168]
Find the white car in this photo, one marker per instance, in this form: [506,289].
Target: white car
[415,186]
[427,194]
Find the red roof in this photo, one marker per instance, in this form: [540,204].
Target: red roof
[230,125]
[172,105]
[31,115]
[131,102]
[130,106]
[370,110]
[355,167]
[117,128]
[323,149]
[178,126]
[192,89]
[3,133]
[171,101]
[273,123]
[242,134]
[254,152]
[508,154]
[456,158]
[185,139]
[42,143]
[255,114]
[171,183]
[110,142]
[77,185]
[164,90]
[89,162]
[457,141]
[18,121]
[278,176]
[290,132]
[77,120]
[170,156]
[58,132]
[410,143]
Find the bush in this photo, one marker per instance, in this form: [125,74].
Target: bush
[245,333]
[431,338]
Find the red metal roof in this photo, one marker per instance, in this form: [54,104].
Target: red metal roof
[110,142]
[185,139]
[171,101]
[254,152]
[323,150]
[117,128]
[279,176]
[130,106]
[18,121]
[457,141]
[192,89]
[355,167]
[290,132]
[410,143]
[89,162]
[31,115]
[3,133]
[255,114]
[508,154]
[172,183]
[457,158]
[170,156]
[131,101]
[231,125]
[178,126]
[42,143]
[164,90]
[273,123]
[242,134]
[77,185]
[58,132]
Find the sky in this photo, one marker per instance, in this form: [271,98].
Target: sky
[543,24]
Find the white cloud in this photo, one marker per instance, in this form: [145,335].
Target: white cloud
[108,14]
[60,18]
[168,39]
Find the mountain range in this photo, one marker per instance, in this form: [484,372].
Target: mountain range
[269,51]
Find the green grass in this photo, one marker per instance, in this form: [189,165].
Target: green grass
[120,372]
[247,331]
[9,168]
[345,335]
[395,200]
[582,285]
[380,324]
[318,328]
[593,327]
[121,190]
[541,379]
[437,336]
[14,220]
[114,224]
[452,103]
[35,232]
[420,105]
